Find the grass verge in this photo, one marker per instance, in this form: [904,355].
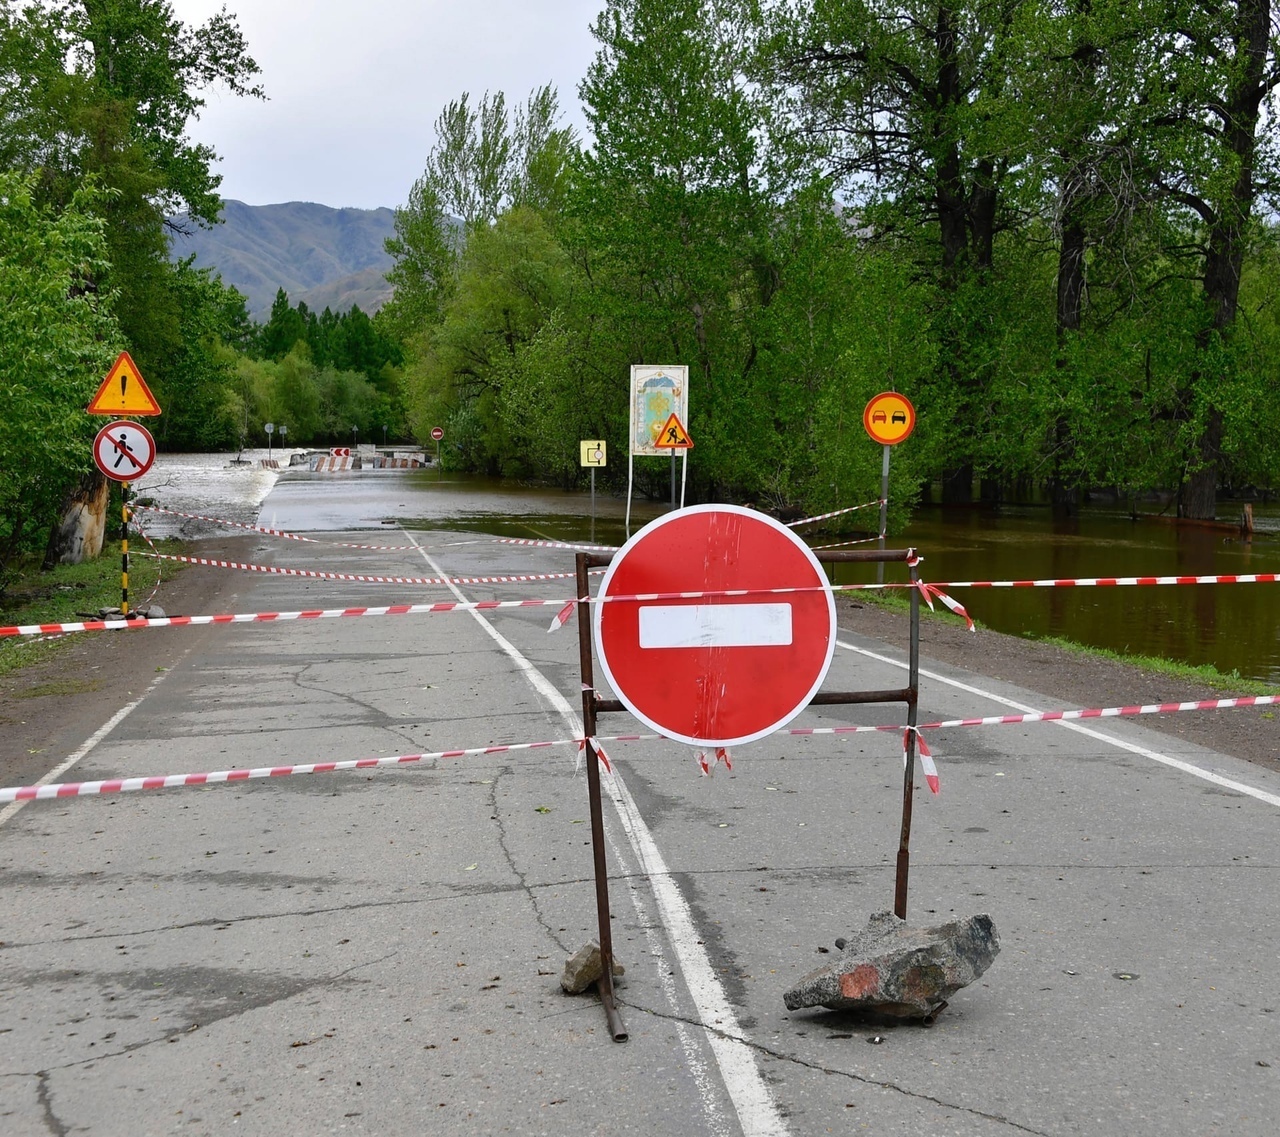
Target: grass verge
[69,593]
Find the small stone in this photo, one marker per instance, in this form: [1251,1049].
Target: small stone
[155,612]
[584,967]
[892,969]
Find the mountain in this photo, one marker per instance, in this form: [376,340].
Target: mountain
[324,256]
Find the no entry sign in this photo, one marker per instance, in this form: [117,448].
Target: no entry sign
[124,451]
[715,670]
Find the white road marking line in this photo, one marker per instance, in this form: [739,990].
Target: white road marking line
[1131,747]
[758,1113]
[86,747]
[715,625]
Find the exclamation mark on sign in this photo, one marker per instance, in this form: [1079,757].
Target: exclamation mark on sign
[124,379]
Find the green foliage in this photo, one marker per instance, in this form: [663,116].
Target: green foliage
[57,338]
[1036,219]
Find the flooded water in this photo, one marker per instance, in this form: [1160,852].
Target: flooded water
[208,484]
[1234,627]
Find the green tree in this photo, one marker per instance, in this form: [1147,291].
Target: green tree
[103,91]
[481,165]
[57,339]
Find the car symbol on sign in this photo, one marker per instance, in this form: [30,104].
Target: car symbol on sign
[878,417]
[900,416]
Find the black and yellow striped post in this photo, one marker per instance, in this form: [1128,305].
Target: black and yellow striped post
[124,549]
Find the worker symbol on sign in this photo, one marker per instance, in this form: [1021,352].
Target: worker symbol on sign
[673,436]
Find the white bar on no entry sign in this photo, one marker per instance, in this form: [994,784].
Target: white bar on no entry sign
[715,625]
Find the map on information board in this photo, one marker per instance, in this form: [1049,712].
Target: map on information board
[657,393]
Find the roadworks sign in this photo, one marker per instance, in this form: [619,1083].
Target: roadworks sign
[673,436]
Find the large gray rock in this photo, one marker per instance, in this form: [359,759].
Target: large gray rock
[892,969]
[584,967]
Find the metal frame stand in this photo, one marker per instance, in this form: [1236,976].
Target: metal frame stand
[593,705]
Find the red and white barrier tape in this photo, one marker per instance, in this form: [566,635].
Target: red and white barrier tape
[565,609]
[269,617]
[137,526]
[834,513]
[168,781]
[322,575]
[556,545]
[926,759]
[930,592]
[1115,581]
[276,532]
[1055,716]
[224,521]
[843,544]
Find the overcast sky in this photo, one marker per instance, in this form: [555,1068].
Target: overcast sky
[353,87]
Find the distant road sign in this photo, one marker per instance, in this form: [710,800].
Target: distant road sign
[437,433]
[124,451]
[340,451]
[889,418]
[592,452]
[123,392]
[715,670]
[673,436]
[656,394]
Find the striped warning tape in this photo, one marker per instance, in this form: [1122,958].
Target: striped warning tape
[556,545]
[275,532]
[323,575]
[566,606]
[842,544]
[930,592]
[57,790]
[171,781]
[1115,581]
[223,521]
[834,513]
[1055,716]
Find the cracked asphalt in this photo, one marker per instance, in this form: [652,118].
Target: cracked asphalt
[378,952]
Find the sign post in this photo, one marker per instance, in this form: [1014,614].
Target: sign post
[123,451]
[592,454]
[437,433]
[657,393]
[673,437]
[735,631]
[270,428]
[889,418]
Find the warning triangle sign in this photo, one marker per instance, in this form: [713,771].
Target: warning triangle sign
[123,392]
[673,436]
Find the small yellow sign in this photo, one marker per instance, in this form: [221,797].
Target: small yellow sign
[889,418]
[673,436]
[123,392]
[593,452]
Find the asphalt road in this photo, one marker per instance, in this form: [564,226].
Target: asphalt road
[378,952]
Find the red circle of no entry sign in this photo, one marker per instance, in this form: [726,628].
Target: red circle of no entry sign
[124,450]
[437,433]
[715,670]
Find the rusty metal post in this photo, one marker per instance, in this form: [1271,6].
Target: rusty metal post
[909,742]
[605,983]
